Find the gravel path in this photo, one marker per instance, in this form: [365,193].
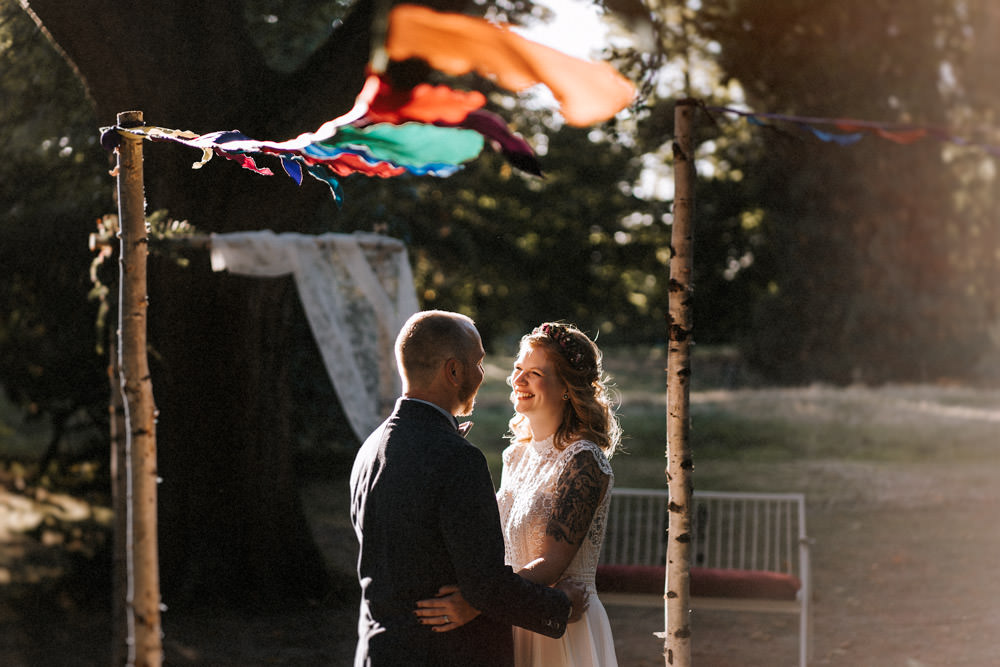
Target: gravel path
[903,574]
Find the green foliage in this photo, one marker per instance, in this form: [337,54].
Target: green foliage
[53,186]
[872,262]
[513,250]
[288,31]
[871,268]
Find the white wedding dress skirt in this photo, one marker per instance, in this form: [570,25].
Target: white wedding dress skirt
[526,499]
[587,643]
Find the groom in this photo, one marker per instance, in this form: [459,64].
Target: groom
[425,513]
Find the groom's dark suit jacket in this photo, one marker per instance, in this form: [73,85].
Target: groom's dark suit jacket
[424,510]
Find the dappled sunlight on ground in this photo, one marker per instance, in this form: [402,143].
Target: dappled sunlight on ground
[38,529]
[904,542]
[54,575]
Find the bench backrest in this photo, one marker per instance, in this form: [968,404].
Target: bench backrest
[730,530]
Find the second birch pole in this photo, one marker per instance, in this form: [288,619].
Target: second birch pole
[680,464]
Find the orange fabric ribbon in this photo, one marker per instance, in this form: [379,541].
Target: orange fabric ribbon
[587,92]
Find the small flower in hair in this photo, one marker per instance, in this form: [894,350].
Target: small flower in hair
[568,344]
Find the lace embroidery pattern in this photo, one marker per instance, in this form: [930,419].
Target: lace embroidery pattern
[526,499]
[356,290]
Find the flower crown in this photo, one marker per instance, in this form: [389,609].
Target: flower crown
[571,348]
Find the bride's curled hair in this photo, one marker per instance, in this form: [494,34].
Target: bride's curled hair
[589,412]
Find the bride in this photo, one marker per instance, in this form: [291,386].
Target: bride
[554,491]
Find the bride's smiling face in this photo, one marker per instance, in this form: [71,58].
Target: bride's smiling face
[537,389]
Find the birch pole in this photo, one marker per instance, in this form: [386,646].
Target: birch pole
[119,503]
[677,589]
[142,558]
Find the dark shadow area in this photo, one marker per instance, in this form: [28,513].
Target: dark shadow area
[56,601]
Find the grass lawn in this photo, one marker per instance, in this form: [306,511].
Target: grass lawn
[900,484]
[735,430]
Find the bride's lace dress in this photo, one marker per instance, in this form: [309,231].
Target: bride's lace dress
[526,499]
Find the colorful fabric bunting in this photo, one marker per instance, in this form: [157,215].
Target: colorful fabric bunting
[842,139]
[425,104]
[432,131]
[856,129]
[426,130]
[419,147]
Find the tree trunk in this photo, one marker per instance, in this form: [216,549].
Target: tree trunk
[231,523]
[677,639]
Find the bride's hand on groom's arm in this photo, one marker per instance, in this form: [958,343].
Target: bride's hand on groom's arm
[579,598]
[447,611]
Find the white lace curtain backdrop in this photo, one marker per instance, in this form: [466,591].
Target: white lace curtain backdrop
[357,291]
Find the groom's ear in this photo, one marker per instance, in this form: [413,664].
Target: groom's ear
[451,370]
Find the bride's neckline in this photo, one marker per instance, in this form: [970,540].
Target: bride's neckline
[544,445]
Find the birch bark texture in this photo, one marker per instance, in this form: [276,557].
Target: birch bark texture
[677,593]
[144,640]
[119,506]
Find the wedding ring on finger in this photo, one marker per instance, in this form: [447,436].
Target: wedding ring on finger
[446,619]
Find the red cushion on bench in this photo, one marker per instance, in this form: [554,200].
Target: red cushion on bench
[705,582]
[629,578]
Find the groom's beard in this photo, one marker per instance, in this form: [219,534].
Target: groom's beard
[467,399]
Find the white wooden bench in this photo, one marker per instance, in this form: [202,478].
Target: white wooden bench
[750,552]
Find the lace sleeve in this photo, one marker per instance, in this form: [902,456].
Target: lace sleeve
[580,487]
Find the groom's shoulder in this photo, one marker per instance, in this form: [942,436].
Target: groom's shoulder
[428,428]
